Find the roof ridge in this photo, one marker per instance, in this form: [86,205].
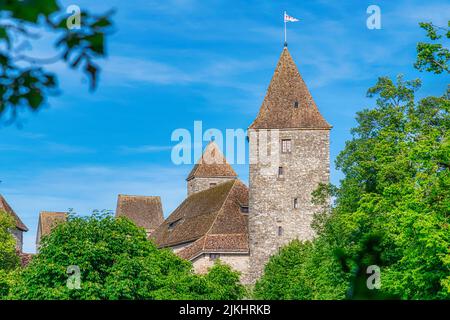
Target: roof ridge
[136,195]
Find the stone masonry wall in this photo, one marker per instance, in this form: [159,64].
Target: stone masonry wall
[199,184]
[271,203]
[18,235]
[238,262]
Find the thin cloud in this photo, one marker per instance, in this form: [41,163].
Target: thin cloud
[144,149]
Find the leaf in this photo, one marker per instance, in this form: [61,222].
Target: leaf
[34,98]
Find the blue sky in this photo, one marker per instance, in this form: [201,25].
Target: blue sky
[173,62]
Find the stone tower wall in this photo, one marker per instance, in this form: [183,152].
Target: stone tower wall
[198,184]
[271,203]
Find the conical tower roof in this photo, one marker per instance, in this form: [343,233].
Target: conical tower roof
[212,164]
[288,102]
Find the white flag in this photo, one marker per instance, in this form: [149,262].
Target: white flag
[288,18]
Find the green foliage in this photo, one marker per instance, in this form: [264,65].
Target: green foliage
[222,283]
[433,57]
[24,81]
[302,271]
[8,257]
[8,279]
[116,261]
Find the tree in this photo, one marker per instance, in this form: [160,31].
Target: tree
[302,271]
[433,57]
[24,81]
[115,260]
[8,257]
[396,187]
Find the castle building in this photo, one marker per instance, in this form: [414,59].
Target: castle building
[212,222]
[145,211]
[244,227]
[20,227]
[289,128]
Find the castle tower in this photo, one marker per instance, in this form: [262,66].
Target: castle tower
[291,131]
[211,169]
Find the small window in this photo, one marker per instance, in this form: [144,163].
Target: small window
[295,104]
[214,256]
[296,204]
[244,209]
[280,172]
[173,224]
[286,146]
[280,231]
[212,184]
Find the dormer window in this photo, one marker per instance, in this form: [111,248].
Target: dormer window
[296,104]
[212,184]
[173,224]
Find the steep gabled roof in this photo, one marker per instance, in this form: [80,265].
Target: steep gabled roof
[212,163]
[4,206]
[49,220]
[145,211]
[212,219]
[279,109]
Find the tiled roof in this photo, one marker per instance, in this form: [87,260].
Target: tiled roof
[4,206]
[49,220]
[145,211]
[211,219]
[288,102]
[212,164]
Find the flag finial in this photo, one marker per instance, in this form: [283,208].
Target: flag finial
[287,18]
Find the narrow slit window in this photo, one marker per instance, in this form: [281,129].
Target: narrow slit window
[296,204]
[280,231]
[280,172]
[295,104]
[286,146]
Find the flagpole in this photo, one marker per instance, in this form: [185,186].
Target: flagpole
[285,34]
